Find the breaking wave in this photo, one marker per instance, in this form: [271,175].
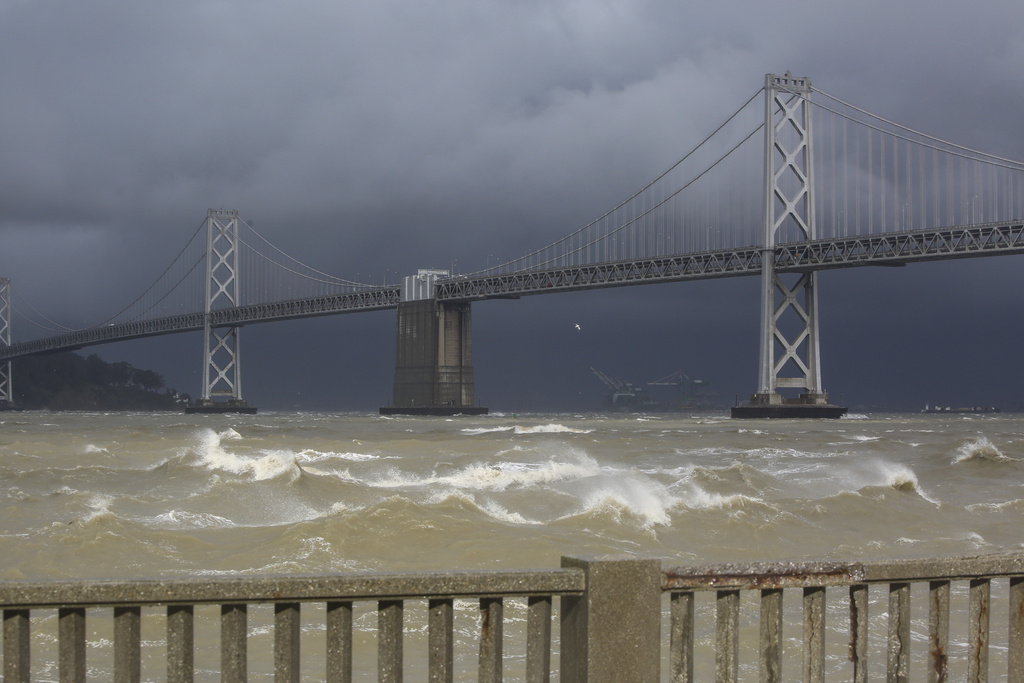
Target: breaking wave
[209,448]
[494,477]
[979,449]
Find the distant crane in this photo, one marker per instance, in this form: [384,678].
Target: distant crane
[694,391]
[624,395]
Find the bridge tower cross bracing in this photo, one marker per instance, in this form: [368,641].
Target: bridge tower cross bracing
[6,387]
[222,368]
[789,323]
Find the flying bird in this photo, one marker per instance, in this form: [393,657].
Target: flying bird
[577,326]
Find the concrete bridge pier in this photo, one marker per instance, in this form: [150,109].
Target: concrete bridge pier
[434,353]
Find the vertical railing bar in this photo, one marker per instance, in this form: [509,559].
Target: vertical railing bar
[440,640]
[681,637]
[71,648]
[859,632]
[977,630]
[389,641]
[1015,656]
[17,650]
[771,635]
[814,634]
[233,646]
[180,668]
[727,646]
[127,644]
[287,622]
[339,642]
[898,664]
[491,636]
[538,639]
[938,631]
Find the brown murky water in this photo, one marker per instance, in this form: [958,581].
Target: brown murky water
[158,495]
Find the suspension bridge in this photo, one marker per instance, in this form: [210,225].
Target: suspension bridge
[795,181]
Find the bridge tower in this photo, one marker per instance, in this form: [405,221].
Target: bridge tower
[789,350]
[434,353]
[6,387]
[222,369]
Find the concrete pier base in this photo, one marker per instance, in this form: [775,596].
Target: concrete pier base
[209,406]
[772,405]
[434,360]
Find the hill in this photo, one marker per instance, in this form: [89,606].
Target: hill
[68,381]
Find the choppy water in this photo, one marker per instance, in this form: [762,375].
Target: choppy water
[156,495]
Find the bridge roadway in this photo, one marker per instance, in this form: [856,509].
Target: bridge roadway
[888,249]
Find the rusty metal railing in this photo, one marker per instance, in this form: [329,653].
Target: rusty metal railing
[770,580]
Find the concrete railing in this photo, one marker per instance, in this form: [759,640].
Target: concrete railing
[813,579]
[611,617]
[235,595]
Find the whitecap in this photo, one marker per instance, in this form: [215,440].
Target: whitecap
[269,464]
[504,515]
[550,429]
[495,477]
[641,497]
[979,449]
[310,455]
[100,505]
[902,478]
[181,519]
[995,507]
[697,498]
[485,430]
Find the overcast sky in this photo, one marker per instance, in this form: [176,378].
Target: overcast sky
[371,138]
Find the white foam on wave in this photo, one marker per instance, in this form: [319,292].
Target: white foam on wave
[979,449]
[495,477]
[268,465]
[902,478]
[899,477]
[697,498]
[485,430]
[309,455]
[632,494]
[489,508]
[995,507]
[550,429]
[99,509]
[182,519]
[504,515]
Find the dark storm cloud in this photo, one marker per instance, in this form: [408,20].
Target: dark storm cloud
[378,137]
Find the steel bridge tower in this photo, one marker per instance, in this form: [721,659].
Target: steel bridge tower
[789,348]
[6,387]
[222,368]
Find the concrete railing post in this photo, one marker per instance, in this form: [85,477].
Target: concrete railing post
[612,633]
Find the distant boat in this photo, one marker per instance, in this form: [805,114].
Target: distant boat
[972,410]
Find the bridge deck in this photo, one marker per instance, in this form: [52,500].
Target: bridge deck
[993,239]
